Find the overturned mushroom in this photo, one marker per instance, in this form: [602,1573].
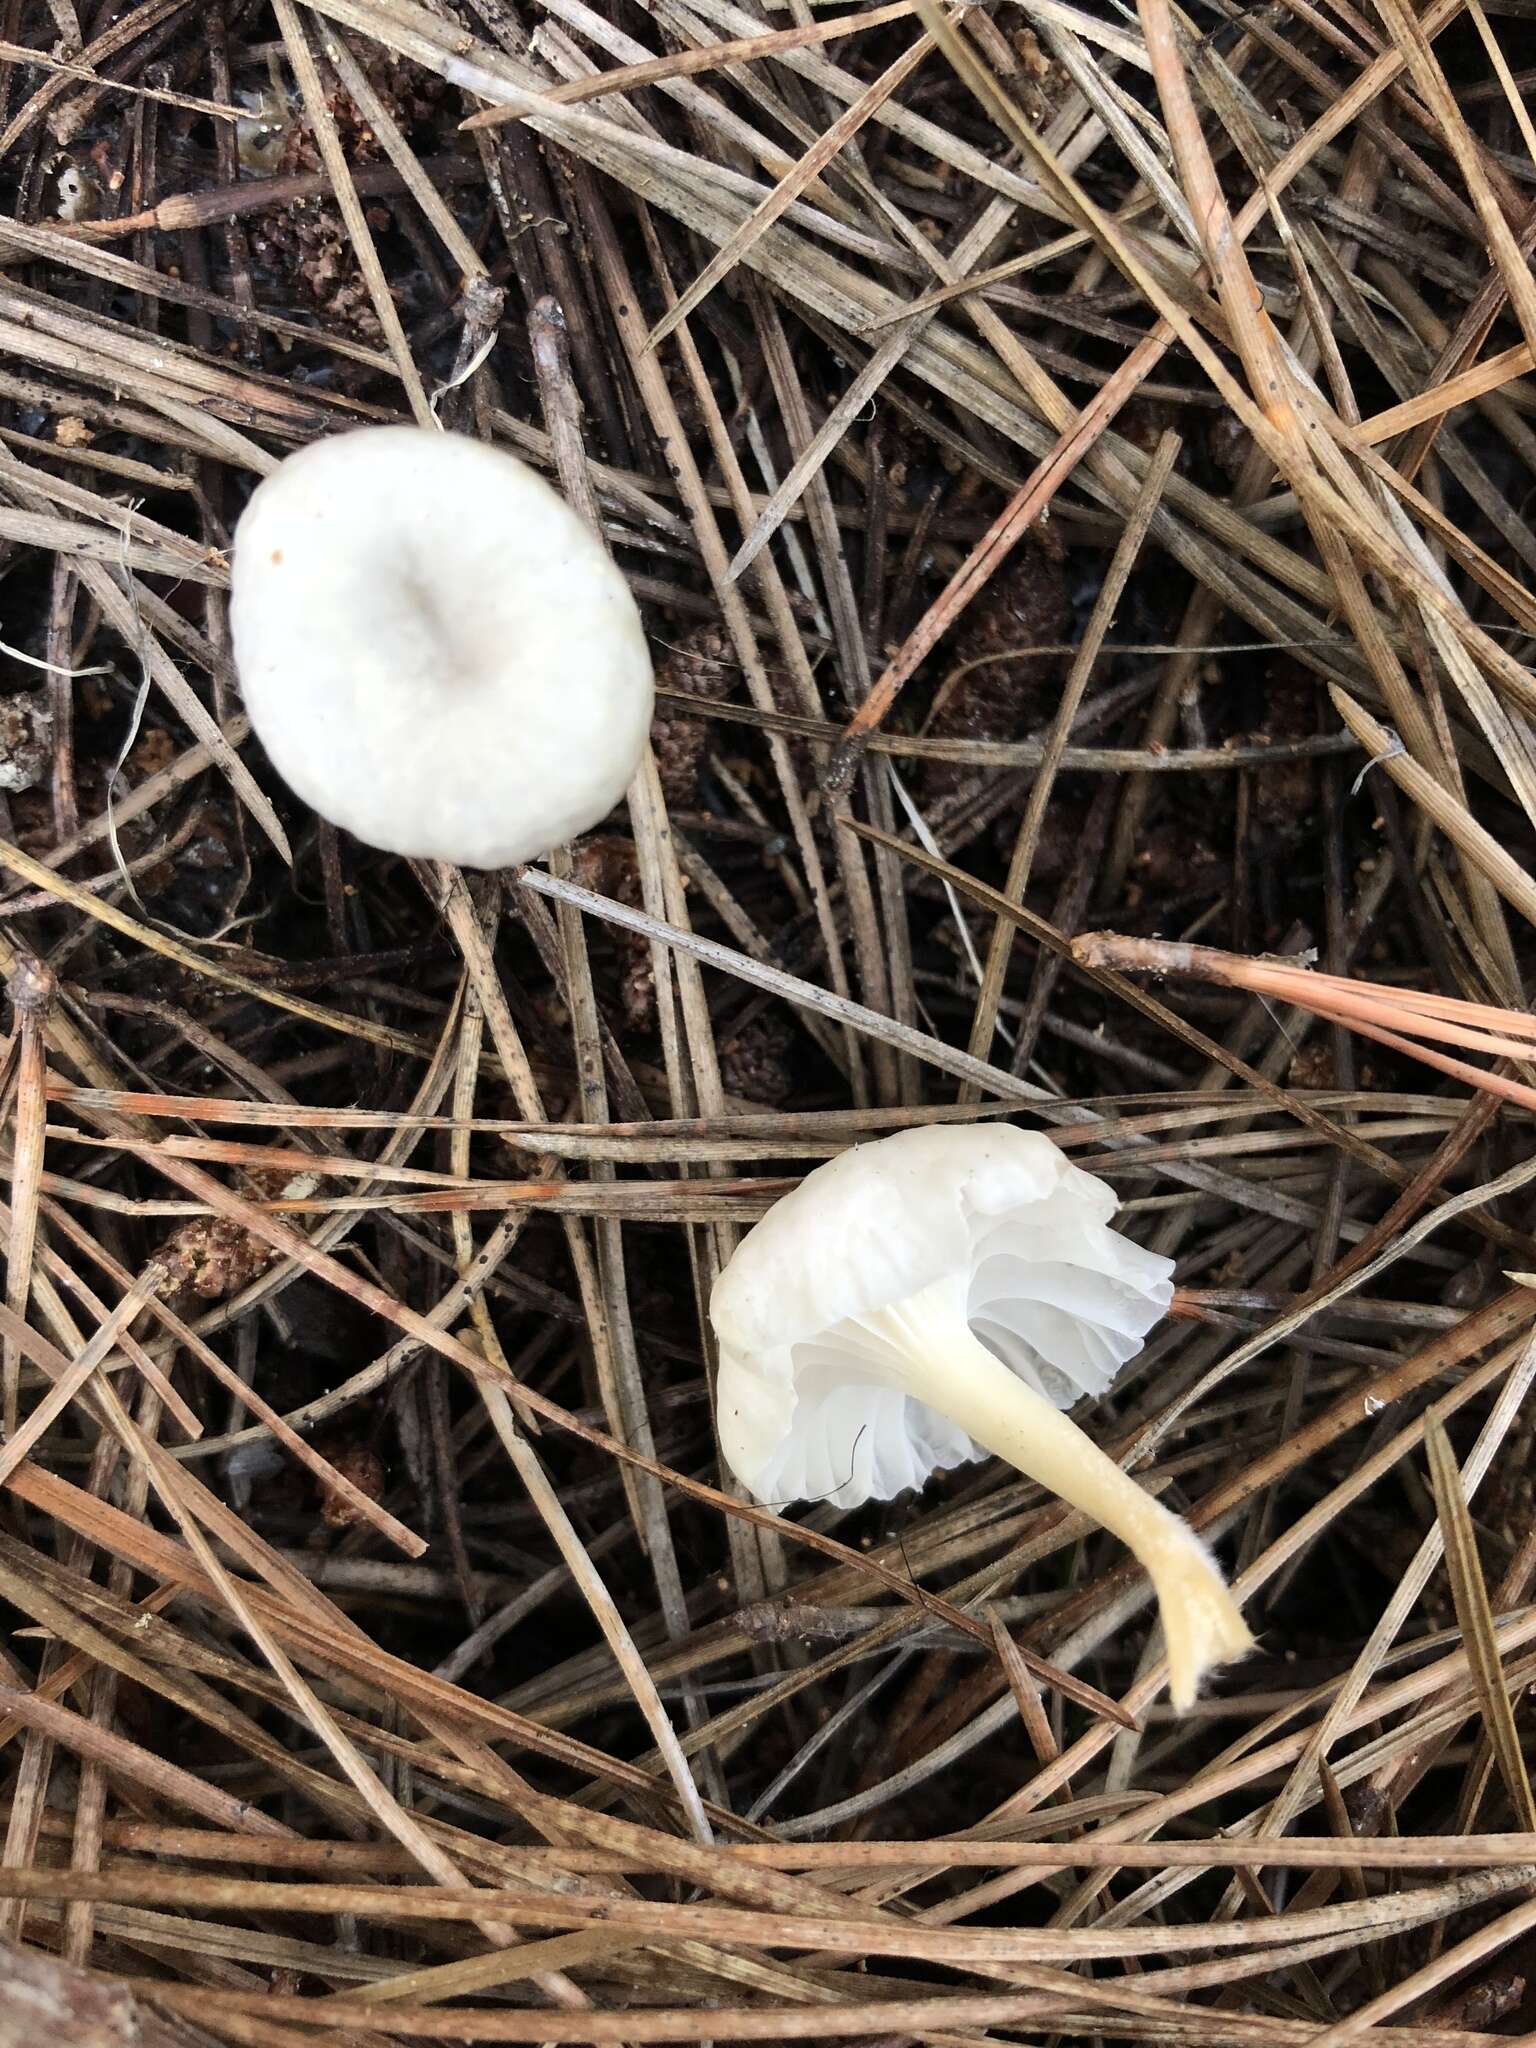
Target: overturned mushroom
[433,648]
[942,1294]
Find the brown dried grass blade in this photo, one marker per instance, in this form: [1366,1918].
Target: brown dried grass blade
[323,121]
[31,990]
[1400,1018]
[790,187]
[693,63]
[1469,1589]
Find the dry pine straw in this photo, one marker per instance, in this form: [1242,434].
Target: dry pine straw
[1075,467]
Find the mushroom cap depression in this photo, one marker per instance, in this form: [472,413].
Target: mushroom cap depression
[810,1399]
[435,651]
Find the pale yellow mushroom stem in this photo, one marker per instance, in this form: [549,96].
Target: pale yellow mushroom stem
[950,1369]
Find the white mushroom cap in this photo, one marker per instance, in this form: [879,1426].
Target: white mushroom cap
[435,651]
[936,1296]
[806,1410]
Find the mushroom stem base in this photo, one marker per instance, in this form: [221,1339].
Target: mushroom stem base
[950,1369]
